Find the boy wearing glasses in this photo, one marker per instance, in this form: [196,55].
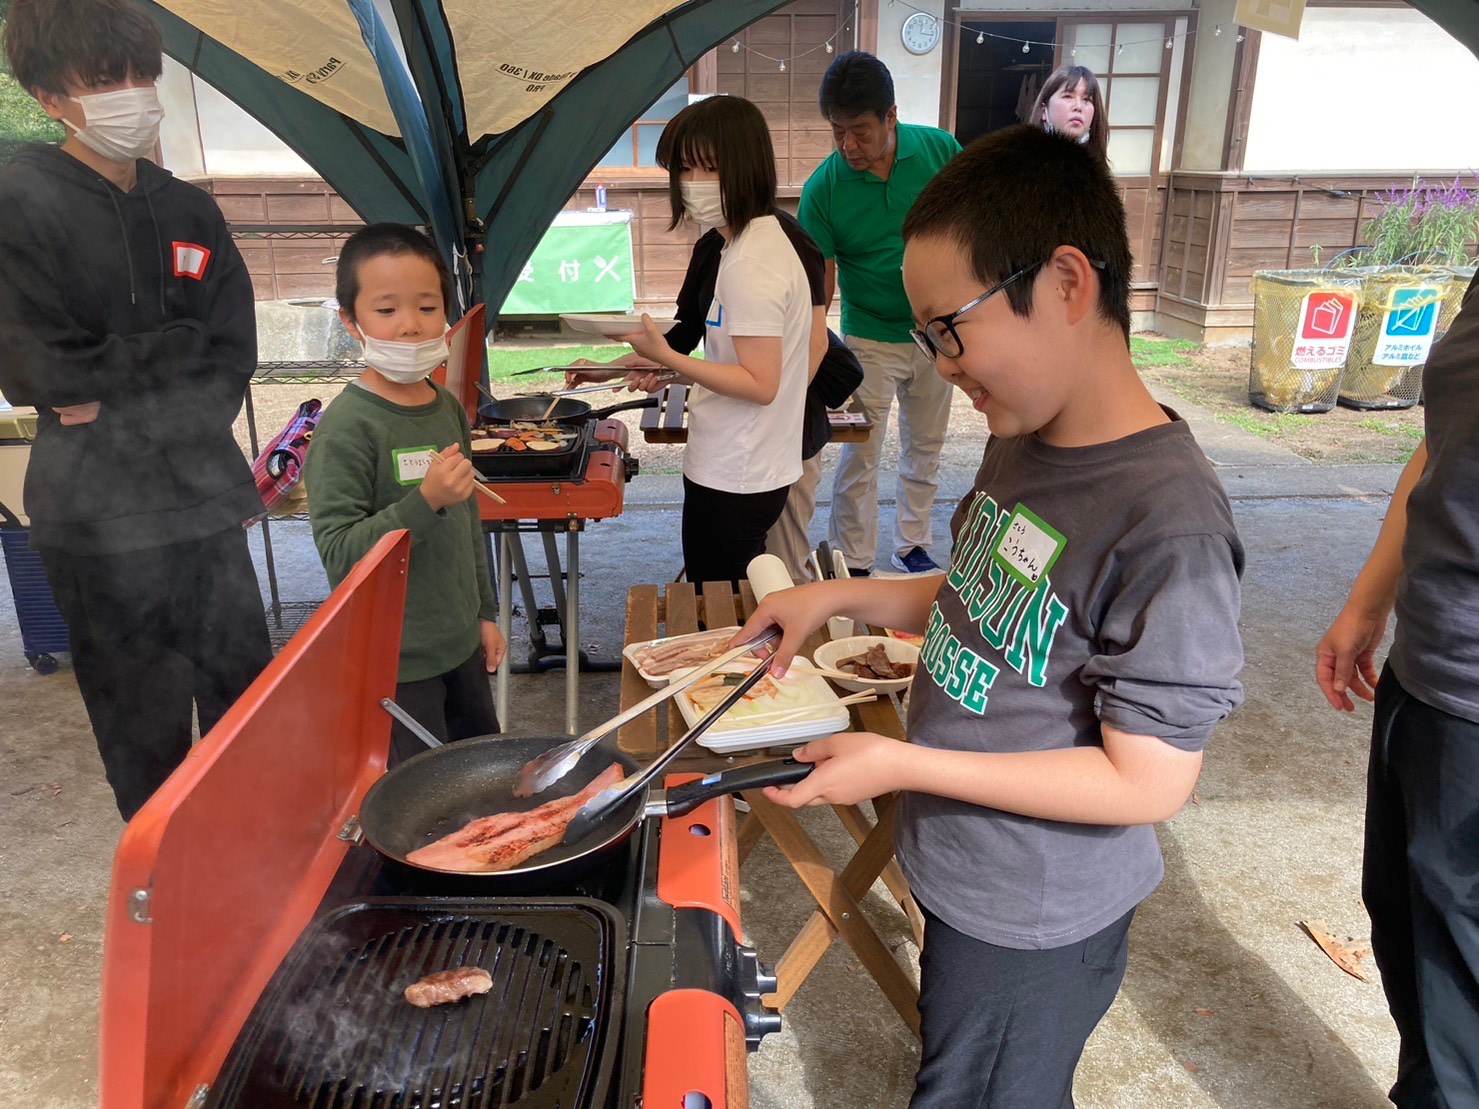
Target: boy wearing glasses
[1078,653]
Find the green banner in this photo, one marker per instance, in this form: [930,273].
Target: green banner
[583,264]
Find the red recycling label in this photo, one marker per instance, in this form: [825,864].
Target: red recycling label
[1323,338]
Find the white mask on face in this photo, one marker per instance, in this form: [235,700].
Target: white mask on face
[121,125]
[702,202]
[405,363]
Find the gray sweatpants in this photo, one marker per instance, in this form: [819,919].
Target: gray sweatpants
[789,539]
[889,370]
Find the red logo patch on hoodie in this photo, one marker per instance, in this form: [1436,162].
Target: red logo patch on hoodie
[190,260]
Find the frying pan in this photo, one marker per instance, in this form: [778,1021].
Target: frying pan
[435,793]
[439,791]
[566,410]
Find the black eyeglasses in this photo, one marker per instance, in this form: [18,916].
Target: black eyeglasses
[938,336]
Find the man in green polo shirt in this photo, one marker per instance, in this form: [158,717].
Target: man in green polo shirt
[854,207]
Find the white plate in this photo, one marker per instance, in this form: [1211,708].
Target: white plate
[610,324]
[811,710]
[828,655]
[658,679]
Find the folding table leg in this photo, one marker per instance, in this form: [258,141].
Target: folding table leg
[837,896]
[860,828]
[751,832]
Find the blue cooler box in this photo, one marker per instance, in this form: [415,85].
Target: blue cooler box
[43,635]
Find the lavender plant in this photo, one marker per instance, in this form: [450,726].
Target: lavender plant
[1435,223]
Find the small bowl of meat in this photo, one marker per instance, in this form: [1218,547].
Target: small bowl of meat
[877,663]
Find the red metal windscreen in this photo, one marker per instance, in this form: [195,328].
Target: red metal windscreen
[223,868]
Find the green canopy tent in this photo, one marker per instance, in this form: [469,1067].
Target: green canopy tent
[475,119]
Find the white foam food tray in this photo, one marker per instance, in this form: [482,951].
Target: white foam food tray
[710,643]
[803,708]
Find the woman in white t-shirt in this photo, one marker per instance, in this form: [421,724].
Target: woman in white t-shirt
[749,391]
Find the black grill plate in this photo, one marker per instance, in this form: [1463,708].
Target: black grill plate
[333,1029]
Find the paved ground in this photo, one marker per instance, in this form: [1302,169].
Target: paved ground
[1226,1003]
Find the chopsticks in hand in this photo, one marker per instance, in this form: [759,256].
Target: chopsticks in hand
[476,484]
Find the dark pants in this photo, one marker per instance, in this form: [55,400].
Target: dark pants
[723,531]
[1421,885]
[1004,1028]
[157,634]
[451,706]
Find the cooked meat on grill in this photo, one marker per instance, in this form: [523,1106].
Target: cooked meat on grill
[504,841]
[875,665]
[446,986]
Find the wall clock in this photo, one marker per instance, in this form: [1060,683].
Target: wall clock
[920,33]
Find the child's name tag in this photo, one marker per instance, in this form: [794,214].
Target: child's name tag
[411,464]
[1028,547]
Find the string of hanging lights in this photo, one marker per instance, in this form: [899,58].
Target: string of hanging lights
[980,36]
[829,45]
[1073,48]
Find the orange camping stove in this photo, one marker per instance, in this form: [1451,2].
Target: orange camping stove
[256,954]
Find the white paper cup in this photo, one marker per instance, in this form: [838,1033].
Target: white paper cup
[767,575]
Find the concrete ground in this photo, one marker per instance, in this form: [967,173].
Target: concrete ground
[1227,1003]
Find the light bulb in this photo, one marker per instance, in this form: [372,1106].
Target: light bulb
[783,67]
[1026,47]
[735,48]
[829,48]
[1240,38]
[1168,44]
[980,38]
[1118,50]
[1218,31]
[1073,53]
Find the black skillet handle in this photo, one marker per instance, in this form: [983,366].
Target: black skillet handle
[602,413]
[780,772]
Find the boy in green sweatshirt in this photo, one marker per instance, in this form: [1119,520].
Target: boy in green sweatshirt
[393,451]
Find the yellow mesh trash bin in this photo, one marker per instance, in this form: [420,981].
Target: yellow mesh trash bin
[1303,321]
[1453,300]
[1395,329]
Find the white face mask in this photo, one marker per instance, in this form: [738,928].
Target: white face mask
[121,125]
[405,363]
[702,202]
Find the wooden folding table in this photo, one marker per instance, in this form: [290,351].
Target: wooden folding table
[677,609]
[668,422]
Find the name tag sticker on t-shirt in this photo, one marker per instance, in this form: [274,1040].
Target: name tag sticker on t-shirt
[411,464]
[715,318]
[1028,547]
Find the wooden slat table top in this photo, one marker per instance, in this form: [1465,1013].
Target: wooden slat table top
[668,422]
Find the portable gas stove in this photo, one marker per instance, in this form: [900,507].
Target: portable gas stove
[256,955]
[594,489]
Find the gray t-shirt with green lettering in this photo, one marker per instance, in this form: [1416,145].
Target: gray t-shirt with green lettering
[1087,586]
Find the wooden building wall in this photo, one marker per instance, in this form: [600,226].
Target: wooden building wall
[1224,226]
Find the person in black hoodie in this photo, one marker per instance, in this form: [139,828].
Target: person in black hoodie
[129,323]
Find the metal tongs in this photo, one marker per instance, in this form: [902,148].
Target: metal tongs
[608,801]
[604,387]
[542,772]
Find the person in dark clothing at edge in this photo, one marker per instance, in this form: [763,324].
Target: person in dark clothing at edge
[129,324]
[1422,784]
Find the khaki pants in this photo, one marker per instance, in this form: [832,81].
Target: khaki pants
[790,538]
[889,370]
